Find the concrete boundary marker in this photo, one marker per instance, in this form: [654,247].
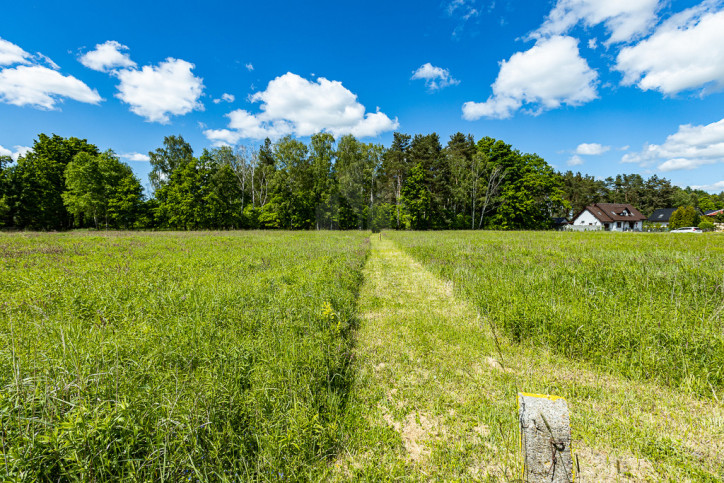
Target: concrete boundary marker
[545,438]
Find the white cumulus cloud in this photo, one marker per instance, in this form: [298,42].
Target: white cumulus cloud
[435,77]
[160,91]
[225,98]
[293,105]
[249,66]
[685,52]
[107,56]
[32,84]
[591,149]
[688,148]
[575,160]
[624,19]
[16,152]
[549,74]
[12,54]
[135,157]
[155,92]
[41,87]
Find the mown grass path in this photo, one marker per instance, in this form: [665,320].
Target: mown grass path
[434,397]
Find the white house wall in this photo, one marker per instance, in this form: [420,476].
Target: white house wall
[638,226]
[587,219]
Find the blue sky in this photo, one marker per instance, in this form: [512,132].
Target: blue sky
[603,87]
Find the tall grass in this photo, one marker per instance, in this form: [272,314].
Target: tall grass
[648,306]
[174,357]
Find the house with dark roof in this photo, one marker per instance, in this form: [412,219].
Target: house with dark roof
[661,216]
[608,217]
[560,223]
[713,212]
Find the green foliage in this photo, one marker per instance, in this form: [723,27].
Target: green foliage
[293,184]
[102,189]
[38,182]
[684,216]
[684,197]
[465,166]
[644,306]
[519,191]
[224,199]
[430,183]
[168,357]
[383,215]
[176,153]
[531,195]
[180,197]
[321,153]
[356,171]
[706,225]
[417,200]
[646,195]
[395,167]
[4,210]
[208,192]
[4,189]
[322,184]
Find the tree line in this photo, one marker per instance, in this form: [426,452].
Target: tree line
[327,183]
[646,195]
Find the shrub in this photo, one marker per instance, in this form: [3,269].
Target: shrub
[684,216]
[706,225]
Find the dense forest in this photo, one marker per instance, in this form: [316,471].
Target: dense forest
[415,183]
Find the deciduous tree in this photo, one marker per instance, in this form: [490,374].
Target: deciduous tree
[102,189]
[175,153]
[39,181]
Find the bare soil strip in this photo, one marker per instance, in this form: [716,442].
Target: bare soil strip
[434,397]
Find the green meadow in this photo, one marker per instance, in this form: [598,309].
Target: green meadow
[317,356]
[170,357]
[647,306]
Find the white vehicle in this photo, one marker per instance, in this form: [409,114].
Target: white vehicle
[687,229]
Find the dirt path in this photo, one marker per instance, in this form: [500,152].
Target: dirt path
[435,396]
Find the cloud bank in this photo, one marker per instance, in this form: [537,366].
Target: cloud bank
[688,148]
[683,53]
[624,20]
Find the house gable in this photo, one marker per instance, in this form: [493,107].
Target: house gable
[610,216]
[610,212]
